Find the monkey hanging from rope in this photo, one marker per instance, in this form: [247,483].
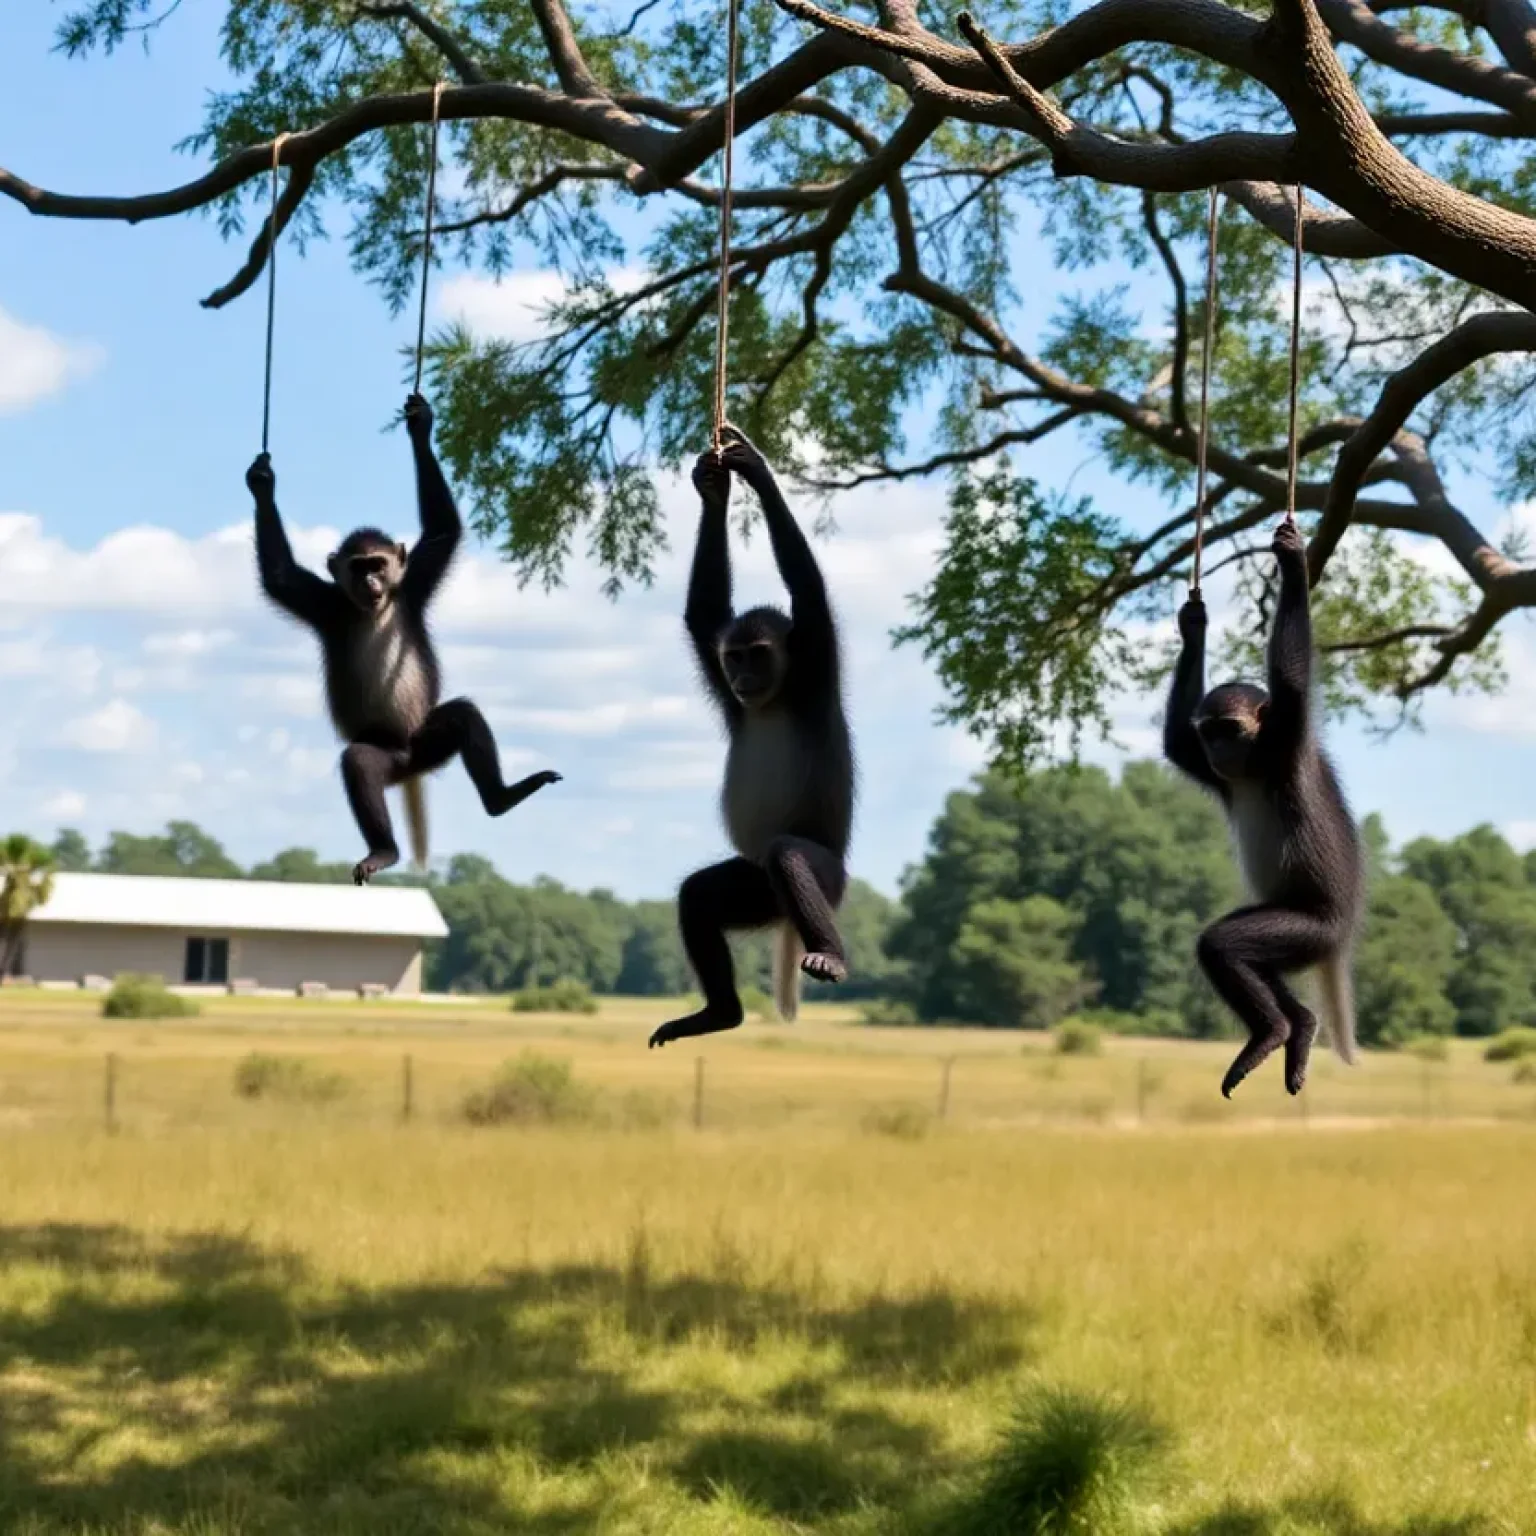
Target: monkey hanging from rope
[382,680]
[1296,842]
[789,777]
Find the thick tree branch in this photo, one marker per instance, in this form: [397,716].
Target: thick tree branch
[1481,337]
[571,67]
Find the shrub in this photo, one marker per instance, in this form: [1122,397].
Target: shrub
[1427,1047]
[1077,1037]
[1525,1072]
[887,1010]
[145,997]
[566,996]
[1069,1464]
[533,1090]
[287,1078]
[906,1122]
[1511,1044]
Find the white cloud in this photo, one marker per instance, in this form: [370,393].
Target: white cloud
[115,727]
[34,363]
[187,644]
[512,308]
[1521,834]
[66,805]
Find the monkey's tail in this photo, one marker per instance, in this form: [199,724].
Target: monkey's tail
[787,953]
[415,793]
[1336,997]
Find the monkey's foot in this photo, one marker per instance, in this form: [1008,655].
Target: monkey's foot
[1257,1050]
[824,966]
[515,794]
[363,872]
[1298,1051]
[705,1022]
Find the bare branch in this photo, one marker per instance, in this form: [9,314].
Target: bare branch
[468,71]
[1013,437]
[1170,261]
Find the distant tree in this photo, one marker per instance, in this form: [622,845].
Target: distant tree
[184,849]
[1142,863]
[1404,963]
[26,882]
[470,869]
[301,866]
[1015,963]
[653,964]
[71,852]
[1480,884]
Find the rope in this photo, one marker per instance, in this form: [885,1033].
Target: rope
[722,318]
[1290,482]
[266,384]
[426,241]
[1207,347]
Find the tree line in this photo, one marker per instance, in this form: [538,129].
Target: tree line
[1062,892]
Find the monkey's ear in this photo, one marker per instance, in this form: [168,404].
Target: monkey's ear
[331,562]
[400,553]
[1260,710]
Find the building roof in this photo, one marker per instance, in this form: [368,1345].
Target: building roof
[246,906]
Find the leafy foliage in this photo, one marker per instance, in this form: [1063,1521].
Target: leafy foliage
[868,309]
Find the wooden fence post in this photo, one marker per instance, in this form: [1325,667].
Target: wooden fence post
[698,1093]
[946,1067]
[109,1094]
[407,1089]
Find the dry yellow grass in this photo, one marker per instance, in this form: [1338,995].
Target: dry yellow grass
[236,1318]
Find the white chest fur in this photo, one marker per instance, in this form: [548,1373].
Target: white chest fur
[390,677]
[1257,833]
[766,780]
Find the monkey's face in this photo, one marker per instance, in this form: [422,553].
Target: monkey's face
[369,572]
[754,658]
[1228,722]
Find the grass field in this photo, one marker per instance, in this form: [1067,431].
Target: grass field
[819,1313]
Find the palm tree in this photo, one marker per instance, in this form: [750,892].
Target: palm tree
[26,882]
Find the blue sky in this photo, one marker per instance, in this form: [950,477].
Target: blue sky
[144,678]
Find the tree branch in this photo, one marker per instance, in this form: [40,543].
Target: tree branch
[468,71]
[1481,337]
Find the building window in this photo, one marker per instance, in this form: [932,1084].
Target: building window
[207,962]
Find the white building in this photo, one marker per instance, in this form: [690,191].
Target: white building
[214,932]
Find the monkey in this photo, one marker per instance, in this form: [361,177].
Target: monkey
[1296,843]
[787,799]
[382,680]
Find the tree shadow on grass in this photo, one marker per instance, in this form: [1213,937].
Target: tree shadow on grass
[200,1382]
[1324,1515]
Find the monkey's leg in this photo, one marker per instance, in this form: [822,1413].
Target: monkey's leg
[458,727]
[735,894]
[1303,1022]
[809,881]
[367,771]
[1243,954]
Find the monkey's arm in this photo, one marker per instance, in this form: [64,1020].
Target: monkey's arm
[1181,741]
[708,610]
[1288,719]
[441,526]
[814,630]
[297,590]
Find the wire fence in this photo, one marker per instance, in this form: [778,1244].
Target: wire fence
[141,1088]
